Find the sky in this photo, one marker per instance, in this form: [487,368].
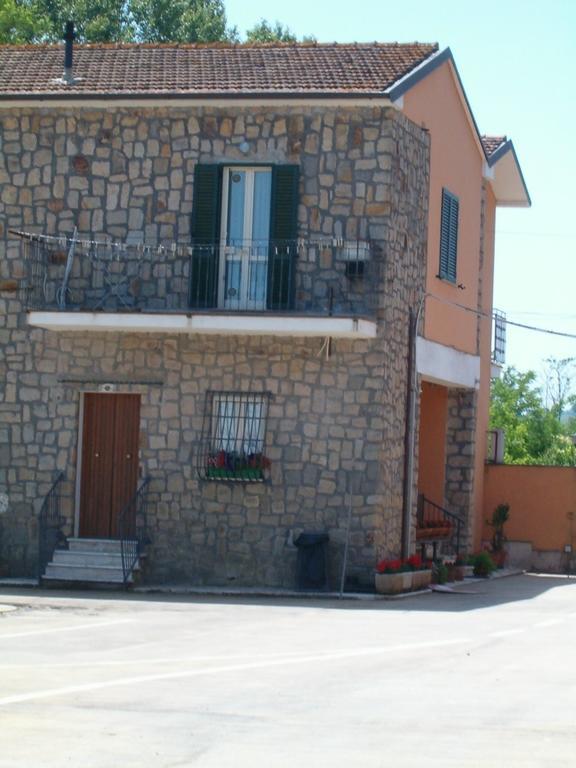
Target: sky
[517,61]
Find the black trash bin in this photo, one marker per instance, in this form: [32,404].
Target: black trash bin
[312,566]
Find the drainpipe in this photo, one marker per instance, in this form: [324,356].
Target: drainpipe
[410,431]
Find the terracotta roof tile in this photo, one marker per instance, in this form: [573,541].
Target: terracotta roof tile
[130,70]
[491,143]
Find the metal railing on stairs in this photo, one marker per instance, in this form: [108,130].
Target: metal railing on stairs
[434,525]
[133,530]
[50,526]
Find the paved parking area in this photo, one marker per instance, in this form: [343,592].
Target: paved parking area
[482,679]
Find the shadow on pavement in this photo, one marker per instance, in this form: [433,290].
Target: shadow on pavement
[464,597]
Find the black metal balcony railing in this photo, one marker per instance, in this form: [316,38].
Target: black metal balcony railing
[327,276]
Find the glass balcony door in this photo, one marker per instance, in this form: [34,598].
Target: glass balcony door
[246,201]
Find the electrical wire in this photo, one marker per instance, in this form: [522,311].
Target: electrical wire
[479,313]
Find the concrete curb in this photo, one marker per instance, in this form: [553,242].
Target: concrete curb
[19,582]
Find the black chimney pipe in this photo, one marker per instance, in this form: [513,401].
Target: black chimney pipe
[68,51]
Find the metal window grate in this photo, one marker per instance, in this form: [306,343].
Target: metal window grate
[233,436]
[499,337]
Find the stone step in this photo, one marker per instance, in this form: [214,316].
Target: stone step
[94,573]
[111,546]
[72,557]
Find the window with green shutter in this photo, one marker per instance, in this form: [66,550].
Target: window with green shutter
[244,231]
[205,235]
[448,236]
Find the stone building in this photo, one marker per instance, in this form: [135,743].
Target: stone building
[212,261]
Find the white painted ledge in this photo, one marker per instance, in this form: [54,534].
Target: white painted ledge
[233,323]
[446,365]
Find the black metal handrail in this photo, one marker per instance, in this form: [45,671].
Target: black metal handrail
[133,530]
[310,276]
[431,516]
[50,523]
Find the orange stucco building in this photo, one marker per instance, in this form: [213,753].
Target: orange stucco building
[470,176]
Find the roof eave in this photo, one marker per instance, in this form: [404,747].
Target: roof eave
[178,95]
[422,70]
[510,174]
[432,63]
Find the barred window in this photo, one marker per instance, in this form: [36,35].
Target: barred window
[233,435]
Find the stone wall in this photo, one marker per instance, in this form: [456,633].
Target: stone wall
[460,458]
[128,174]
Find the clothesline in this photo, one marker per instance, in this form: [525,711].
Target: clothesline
[65,241]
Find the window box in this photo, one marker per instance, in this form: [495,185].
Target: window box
[230,466]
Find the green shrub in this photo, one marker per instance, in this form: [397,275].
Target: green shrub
[483,564]
[440,572]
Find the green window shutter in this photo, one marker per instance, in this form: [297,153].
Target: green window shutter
[205,236]
[283,234]
[448,236]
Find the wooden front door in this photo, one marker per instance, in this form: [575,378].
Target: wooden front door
[109,476]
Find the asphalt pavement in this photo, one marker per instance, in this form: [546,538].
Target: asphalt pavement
[483,678]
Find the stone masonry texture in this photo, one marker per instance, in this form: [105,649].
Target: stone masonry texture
[336,420]
[460,457]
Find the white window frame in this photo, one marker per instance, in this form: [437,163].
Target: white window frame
[244,253]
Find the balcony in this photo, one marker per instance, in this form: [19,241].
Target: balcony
[324,287]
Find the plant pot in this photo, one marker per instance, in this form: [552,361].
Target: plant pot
[499,558]
[393,583]
[459,572]
[421,579]
[439,532]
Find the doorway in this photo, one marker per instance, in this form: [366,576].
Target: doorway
[246,201]
[109,471]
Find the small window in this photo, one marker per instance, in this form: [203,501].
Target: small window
[233,435]
[448,236]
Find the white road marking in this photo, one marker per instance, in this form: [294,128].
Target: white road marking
[336,655]
[159,660]
[75,628]
[507,632]
[548,623]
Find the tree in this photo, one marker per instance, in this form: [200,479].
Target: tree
[190,21]
[534,434]
[141,21]
[558,377]
[96,21]
[265,32]
[21,22]
[149,21]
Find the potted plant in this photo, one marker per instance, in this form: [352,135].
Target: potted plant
[450,566]
[393,577]
[469,566]
[483,565]
[422,573]
[439,572]
[459,566]
[500,517]
[433,529]
[228,465]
